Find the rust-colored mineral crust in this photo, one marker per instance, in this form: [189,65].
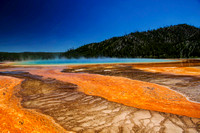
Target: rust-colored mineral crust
[133,93]
[15,119]
[173,70]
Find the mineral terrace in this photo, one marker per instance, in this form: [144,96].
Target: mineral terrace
[108,98]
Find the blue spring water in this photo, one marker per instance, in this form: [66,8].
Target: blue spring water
[91,61]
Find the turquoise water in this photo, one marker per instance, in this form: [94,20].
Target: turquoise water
[90,61]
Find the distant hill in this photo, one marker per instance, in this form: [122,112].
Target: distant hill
[179,41]
[6,56]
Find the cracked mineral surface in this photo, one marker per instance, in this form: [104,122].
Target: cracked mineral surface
[83,102]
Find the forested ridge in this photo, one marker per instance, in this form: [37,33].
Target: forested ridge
[179,41]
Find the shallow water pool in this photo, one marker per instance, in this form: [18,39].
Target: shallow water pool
[91,61]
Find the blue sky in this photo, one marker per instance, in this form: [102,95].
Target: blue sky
[57,25]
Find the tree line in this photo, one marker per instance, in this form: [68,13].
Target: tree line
[179,41]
